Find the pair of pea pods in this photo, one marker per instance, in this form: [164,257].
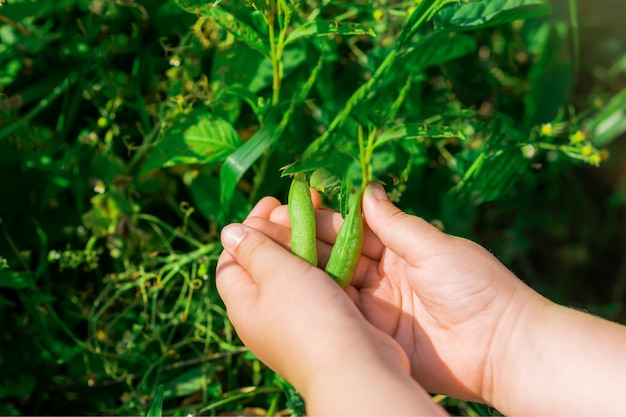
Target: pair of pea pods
[346,251]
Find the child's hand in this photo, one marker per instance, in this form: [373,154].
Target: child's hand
[306,328]
[448,302]
[470,328]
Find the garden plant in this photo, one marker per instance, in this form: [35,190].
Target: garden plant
[133,131]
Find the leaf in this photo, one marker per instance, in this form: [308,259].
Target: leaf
[416,130]
[494,172]
[103,216]
[437,48]
[242,159]
[206,199]
[16,280]
[420,15]
[480,14]
[238,64]
[328,28]
[325,181]
[186,383]
[551,76]
[610,122]
[239,29]
[156,408]
[198,138]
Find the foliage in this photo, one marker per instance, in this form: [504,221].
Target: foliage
[131,132]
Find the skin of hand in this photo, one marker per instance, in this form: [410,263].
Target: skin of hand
[469,327]
[306,328]
[442,298]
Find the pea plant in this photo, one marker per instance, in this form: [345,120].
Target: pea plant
[131,132]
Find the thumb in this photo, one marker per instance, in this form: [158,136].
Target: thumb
[410,237]
[259,255]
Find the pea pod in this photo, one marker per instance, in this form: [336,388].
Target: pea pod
[302,217]
[345,254]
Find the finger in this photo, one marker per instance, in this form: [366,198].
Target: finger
[316,198]
[264,207]
[410,237]
[267,262]
[234,284]
[277,232]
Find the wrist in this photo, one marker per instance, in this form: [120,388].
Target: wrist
[367,383]
[510,354]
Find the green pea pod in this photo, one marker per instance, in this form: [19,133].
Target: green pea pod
[302,216]
[345,254]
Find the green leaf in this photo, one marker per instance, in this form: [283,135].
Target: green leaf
[238,64]
[420,15]
[437,48]
[206,199]
[241,160]
[239,29]
[494,171]
[480,14]
[610,122]
[198,138]
[156,409]
[410,131]
[103,216]
[327,28]
[16,280]
[551,77]
[186,383]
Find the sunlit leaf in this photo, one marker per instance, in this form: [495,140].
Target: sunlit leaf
[437,48]
[479,14]
[198,138]
[410,131]
[610,122]
[156,409]
[239,29]
[327,28]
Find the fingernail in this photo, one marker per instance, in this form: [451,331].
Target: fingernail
[377,191]
[232,235]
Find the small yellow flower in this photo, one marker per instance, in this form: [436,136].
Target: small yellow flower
[125,397]
[529,151]
[546,129]
[175,61]
[99,187]
[128,337]
[54,255]
[378,14]
[103,122]
[101,336]
[394,195]
[595,159]
[577,137]
[587,150]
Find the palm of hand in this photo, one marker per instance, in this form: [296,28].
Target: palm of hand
[441,308]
